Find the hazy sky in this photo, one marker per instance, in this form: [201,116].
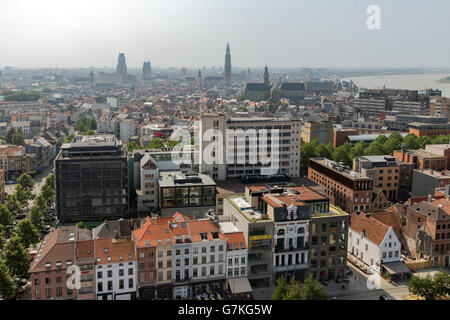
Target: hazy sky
[193,33]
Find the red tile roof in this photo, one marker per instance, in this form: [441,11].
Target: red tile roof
[118,250]
[375,230]
[236,240]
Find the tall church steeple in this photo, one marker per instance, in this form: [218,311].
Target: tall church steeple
[227,67]
[266,75]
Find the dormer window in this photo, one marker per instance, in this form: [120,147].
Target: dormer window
[106,250]
[58,265]
[109,258]
[48,265]
[204,235]
[69,262]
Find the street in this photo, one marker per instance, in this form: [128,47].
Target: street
[38,178]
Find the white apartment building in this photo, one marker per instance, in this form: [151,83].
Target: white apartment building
[237,161]
[115,269]
[25,126]
[372,242]
[147,195]
[126,129]
[208,257]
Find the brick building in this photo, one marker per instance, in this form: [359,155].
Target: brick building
[347,189]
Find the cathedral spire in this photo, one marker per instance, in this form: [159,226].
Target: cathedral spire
[266,75]
[227,67]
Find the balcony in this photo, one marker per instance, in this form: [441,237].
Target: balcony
[291,249]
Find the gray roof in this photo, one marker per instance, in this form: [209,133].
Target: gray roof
[292,86]
[255,86]
[107,228]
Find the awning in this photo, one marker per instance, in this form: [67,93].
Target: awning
[239,285]
[395,267]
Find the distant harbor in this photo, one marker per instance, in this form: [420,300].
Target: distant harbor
[410,81]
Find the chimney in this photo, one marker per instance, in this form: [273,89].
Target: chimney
[367,215]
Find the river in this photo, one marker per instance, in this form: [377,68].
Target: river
[410,81]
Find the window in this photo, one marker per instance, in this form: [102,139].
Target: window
[178,252]
[230,261]
[48,293]
[160,276]
[130,271]
[110,285]
[130,283]
[109,273]
[121,284]
[59,291]
[211,270]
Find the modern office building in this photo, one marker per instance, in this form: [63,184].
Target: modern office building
[91,179]
[236,161]
[258,231]
[146,70]
[383,170]
[429,129]
[321,131]
[187,193]
[121,65]
[349,190]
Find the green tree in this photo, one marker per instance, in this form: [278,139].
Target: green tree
[281,290]
[2,236]
[6,218]
[81,225]
[16,257]
[92,124]
[312,290]
[423,141]
[9,135]
[48,194]
[172,143]
[42,205]
[323,152]
[294,290]
[50,180]
[381,139]
[131,146]
[18,138]
[341,154]
[26,182]
[442,284]
[307,151]
[7,284]
[36,216]
[27,233]
[13,205]
[423,287]
[156,144]
[22,197]
[440,140]
[394,142]
[374,149]
[69,138]
[358,150]
[410,141]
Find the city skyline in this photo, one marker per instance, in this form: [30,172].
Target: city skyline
[193,33]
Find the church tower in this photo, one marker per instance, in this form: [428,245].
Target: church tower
[266,75]
[227,69]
